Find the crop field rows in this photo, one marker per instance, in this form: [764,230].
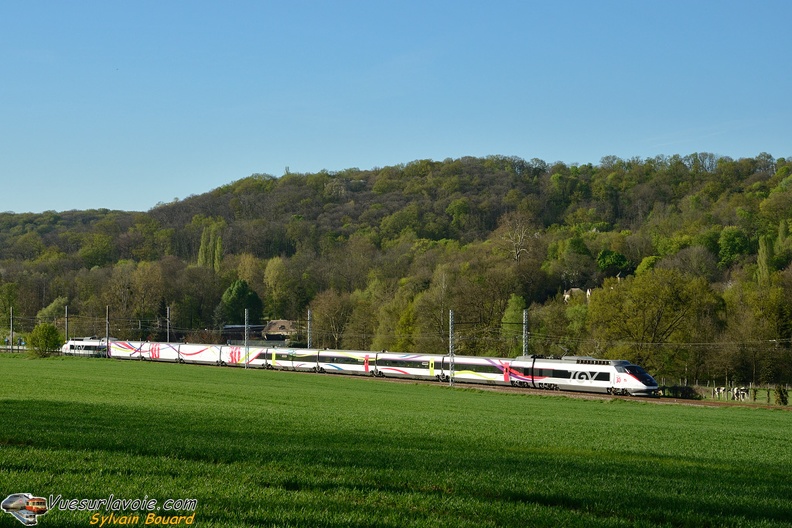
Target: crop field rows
[262,448]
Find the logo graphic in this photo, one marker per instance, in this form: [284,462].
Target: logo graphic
[25,507]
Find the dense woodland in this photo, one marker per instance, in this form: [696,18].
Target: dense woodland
[687,259]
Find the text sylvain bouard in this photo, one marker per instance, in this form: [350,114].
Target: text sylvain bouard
[99,519]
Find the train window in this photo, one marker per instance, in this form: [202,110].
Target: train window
[303,357]
[547,373]
[401,363]
[602,376]
[344,360]
[391,363]
[640,374]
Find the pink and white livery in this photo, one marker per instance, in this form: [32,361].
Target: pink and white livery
[569,373]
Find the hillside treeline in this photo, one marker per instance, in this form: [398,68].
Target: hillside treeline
[679,263]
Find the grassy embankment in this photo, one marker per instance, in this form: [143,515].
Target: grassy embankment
[258,448]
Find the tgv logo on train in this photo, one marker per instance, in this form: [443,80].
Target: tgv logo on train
[583,376]
[578,373]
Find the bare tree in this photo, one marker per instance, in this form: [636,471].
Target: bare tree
[518,231]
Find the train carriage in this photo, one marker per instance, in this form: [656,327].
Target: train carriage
[154,351]
[471,369]
[124,350]
[26,517]
[414,366]
[346,362]
[200,354]
[298,359]
[37,505]
[257,357]
[241,356]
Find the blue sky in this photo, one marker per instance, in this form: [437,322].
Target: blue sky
[124,105]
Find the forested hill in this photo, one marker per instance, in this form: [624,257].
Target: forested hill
[686,258]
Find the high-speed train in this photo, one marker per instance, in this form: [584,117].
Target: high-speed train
[571,373]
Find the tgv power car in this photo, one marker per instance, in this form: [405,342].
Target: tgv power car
[87,346]
[582,373]
[573,373]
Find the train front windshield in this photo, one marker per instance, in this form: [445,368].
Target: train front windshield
[641,375]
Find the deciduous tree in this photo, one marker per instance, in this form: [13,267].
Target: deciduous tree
[45,339]
[646,318]
[331,311]
[236,299]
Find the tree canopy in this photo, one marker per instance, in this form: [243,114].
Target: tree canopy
[45,339]
[238,298]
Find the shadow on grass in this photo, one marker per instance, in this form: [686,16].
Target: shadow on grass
[294,457]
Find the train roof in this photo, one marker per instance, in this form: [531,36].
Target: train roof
[578,360]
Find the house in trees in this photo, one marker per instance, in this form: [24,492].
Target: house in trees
[279,331]
[576,292]
[275,333]
[235,334]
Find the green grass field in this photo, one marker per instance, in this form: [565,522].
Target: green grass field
[261,448]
